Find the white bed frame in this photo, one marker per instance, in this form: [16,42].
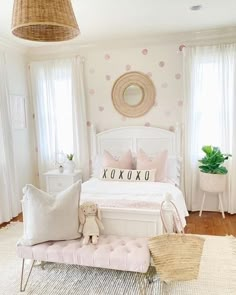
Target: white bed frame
[135,222]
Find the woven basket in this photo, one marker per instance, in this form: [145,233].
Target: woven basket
[44,20]
[176,257]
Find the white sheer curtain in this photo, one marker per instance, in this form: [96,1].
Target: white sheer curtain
[10,205]
[60,112]
[210,114]
[79,117]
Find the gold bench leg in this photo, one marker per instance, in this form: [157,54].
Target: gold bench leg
[22,288]
[152,277]
[145,280]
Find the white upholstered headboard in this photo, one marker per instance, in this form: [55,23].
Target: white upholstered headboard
[150,139]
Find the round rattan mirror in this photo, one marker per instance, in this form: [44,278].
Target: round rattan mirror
[133,94]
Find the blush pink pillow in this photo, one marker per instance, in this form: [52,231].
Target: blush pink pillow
[158,162]
[124,162]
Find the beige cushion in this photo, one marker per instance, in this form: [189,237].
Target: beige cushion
[50,218]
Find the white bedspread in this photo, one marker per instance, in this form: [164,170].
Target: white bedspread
[112,194]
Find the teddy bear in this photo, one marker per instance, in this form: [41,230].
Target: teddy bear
[90,222]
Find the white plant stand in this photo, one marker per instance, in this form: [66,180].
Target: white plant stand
[213,183]
[220,203]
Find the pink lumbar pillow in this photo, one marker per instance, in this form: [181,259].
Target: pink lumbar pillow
[158,163]
[123,162]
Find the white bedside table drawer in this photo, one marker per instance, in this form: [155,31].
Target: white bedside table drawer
[57,184]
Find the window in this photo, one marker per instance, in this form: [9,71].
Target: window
[209,104]
[53,100]
[63,116]
[208,107]
[210,93]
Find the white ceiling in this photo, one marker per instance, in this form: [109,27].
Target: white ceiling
[127,19]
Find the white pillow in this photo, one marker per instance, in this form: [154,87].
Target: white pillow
[172,170]
[50,218]
[97,166]
[117,174]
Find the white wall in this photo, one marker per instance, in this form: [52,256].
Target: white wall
[23,138]
[163,63]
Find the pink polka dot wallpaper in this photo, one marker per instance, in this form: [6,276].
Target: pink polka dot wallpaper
[181,47]
[161,63]
[107,56]
[91,91]
[145,51]
[128,67]
[178,76]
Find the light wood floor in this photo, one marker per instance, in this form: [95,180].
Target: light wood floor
[210,223]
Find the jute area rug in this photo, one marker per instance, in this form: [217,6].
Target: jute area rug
[217,275]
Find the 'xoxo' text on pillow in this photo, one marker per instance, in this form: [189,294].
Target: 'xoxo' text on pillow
[117,174]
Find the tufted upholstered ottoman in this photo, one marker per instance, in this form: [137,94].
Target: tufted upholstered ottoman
[112,252]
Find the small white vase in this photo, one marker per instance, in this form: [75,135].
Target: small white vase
[212,183]
[61,169]
[70,166]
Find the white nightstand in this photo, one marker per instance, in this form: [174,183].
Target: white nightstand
[57,182]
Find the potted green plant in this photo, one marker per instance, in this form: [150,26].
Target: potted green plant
[70,157]
[212,172]
[70,163]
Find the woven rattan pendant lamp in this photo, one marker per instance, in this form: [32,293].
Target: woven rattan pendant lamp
[44,20]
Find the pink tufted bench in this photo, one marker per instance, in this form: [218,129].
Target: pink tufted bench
[112,252]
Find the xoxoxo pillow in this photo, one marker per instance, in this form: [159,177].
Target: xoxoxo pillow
[50,218]
[116,174]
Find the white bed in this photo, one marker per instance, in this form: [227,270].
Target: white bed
[131,208]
